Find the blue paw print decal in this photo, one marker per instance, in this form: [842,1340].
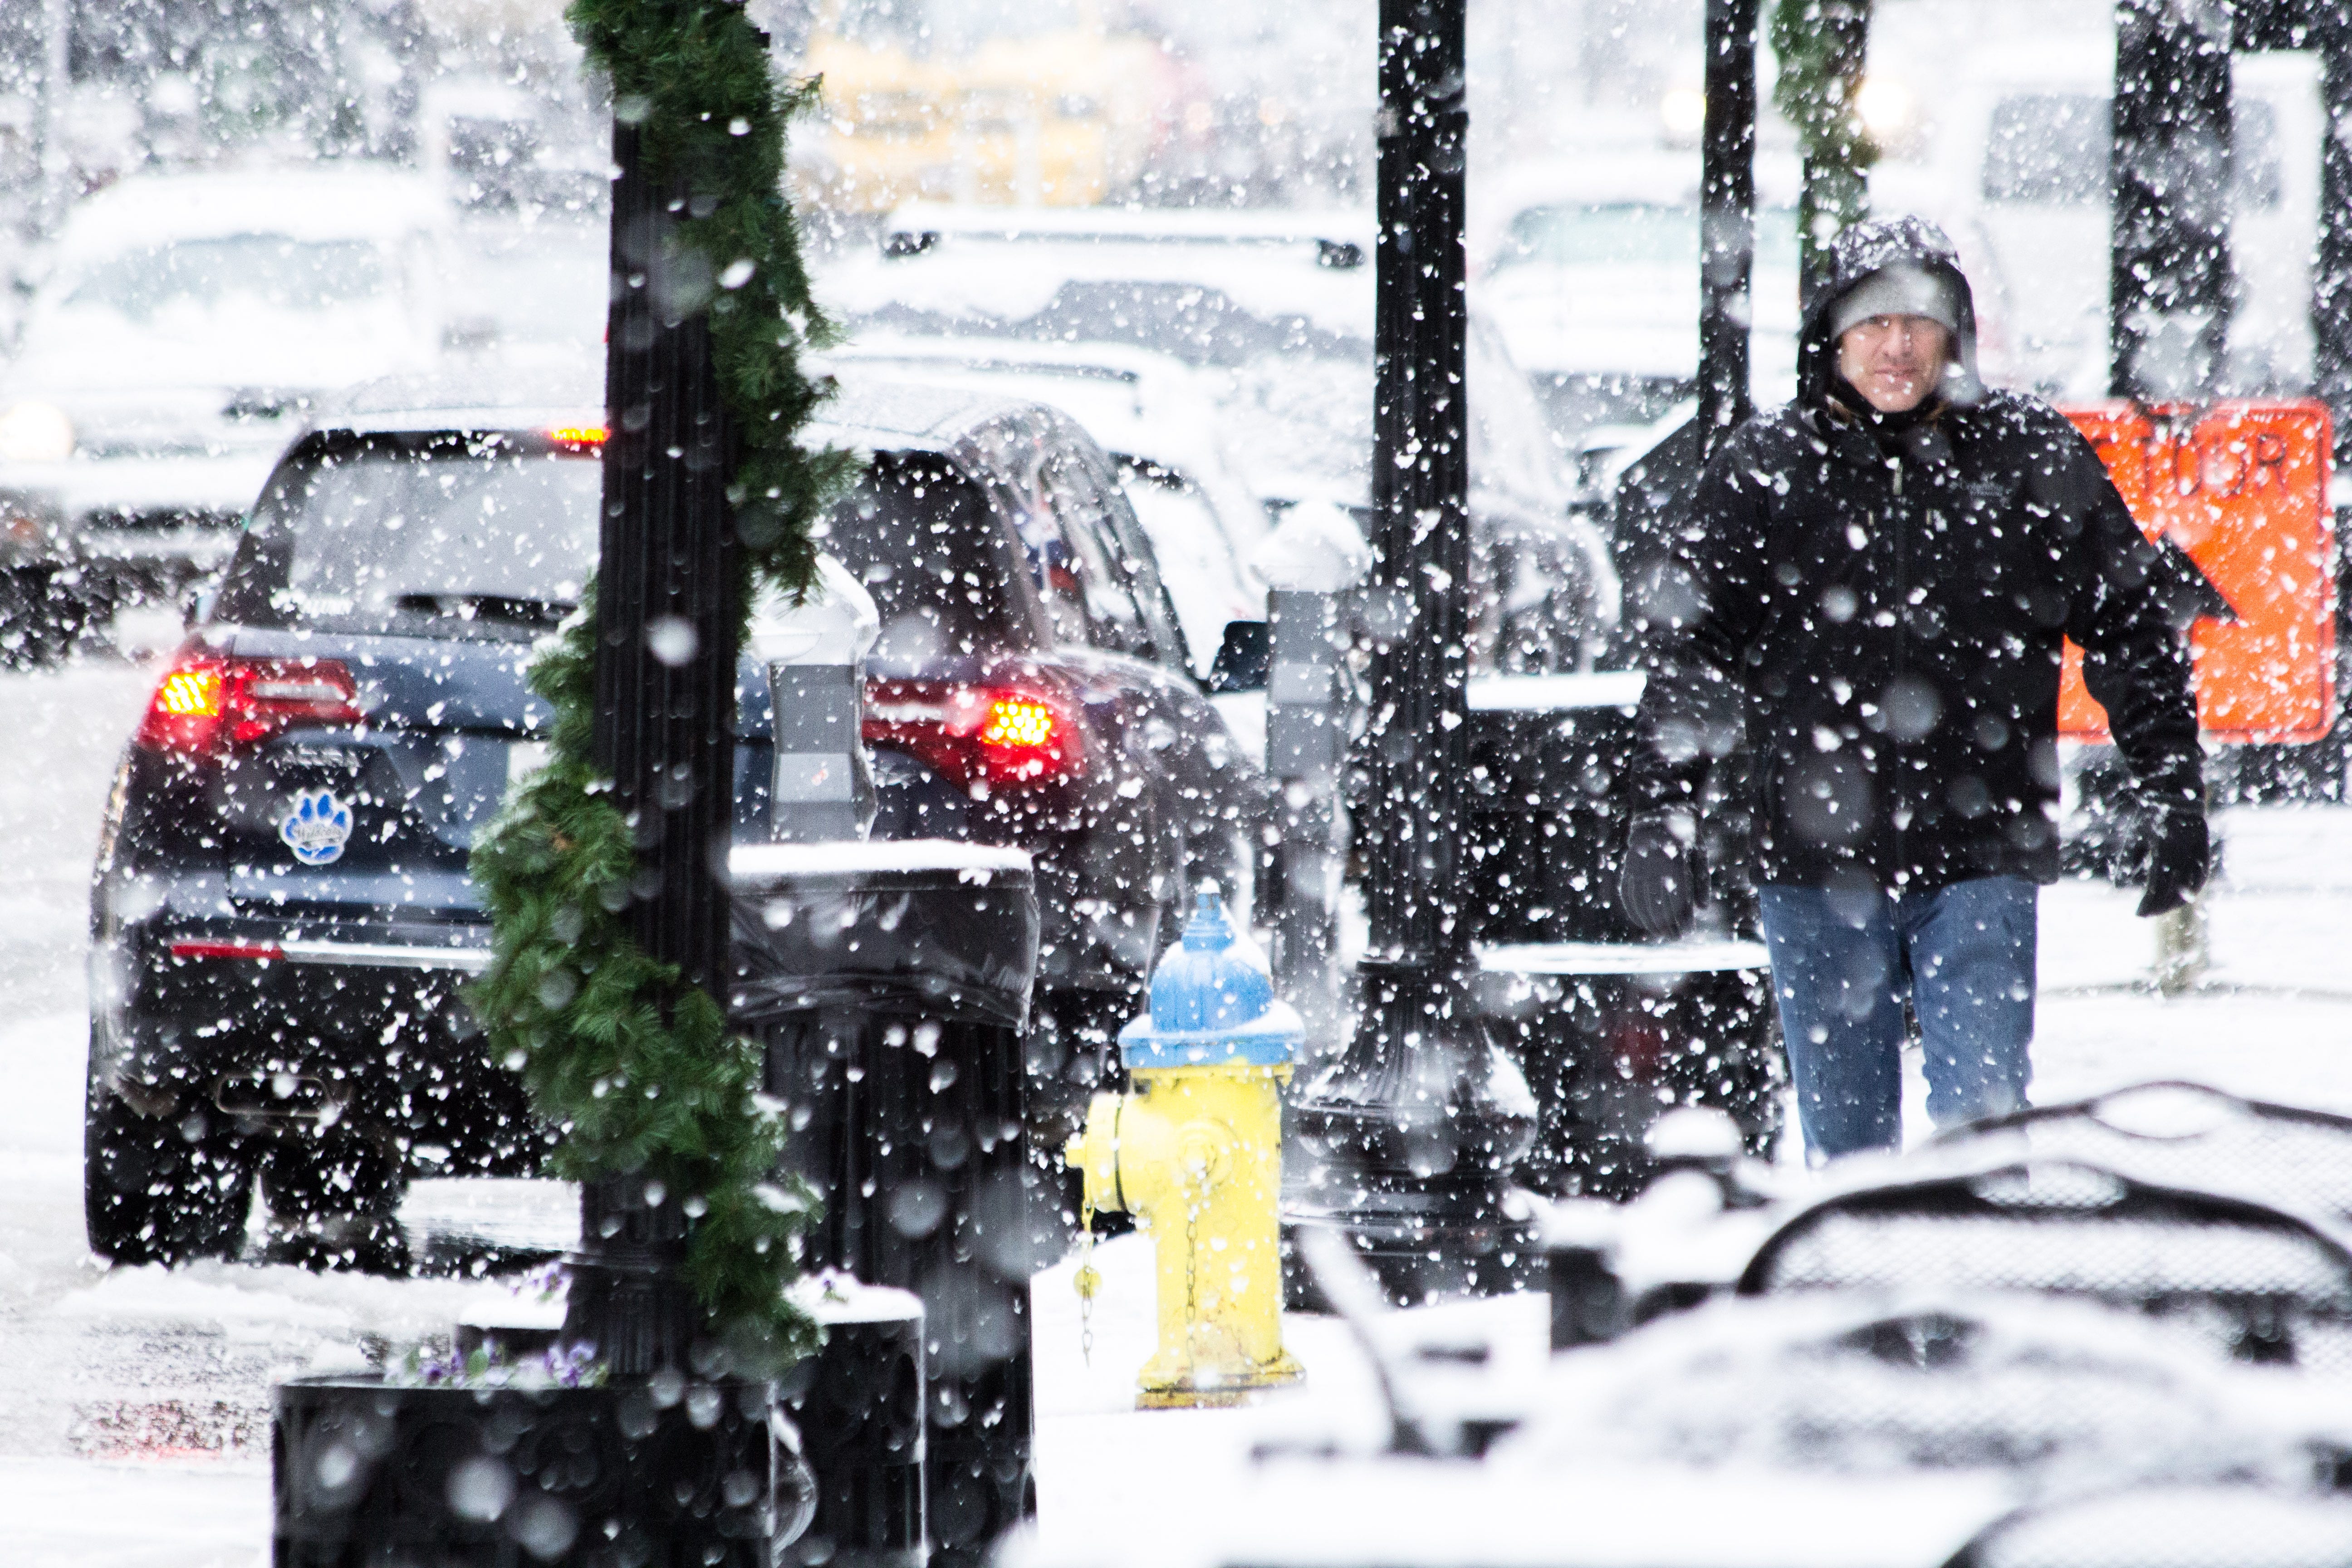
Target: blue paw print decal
[316,828]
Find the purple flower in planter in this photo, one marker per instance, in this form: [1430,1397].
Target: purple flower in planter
[574,1365]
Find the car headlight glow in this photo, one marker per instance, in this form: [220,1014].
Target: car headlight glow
[36,433]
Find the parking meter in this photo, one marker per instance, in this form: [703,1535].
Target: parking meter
[815,652]
[1313,562]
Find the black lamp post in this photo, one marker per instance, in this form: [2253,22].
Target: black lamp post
[1726,218]
[665,695]
[1406,1144]
[669,1460]
[2330,32]
[2169,178]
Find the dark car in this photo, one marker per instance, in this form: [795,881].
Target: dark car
[282,917]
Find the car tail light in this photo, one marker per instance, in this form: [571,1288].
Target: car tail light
[986,736]
[207,705]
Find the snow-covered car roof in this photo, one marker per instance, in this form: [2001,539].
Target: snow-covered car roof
[901,415]
[1662,176]
[1008,264]
[477,399]
[1143,407]
[865,412]
[326,201]
[1302,227]
[1127,397]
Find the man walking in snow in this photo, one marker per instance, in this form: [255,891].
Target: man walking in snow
[1871,591]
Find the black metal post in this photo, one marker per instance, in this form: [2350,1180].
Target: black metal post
[1406,1144]
[1307,718]
[1727,217]
[1836,188]
[665,690]
[2324,28]
[2169,177]
[2331,271]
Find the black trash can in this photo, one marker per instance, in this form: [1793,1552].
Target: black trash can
[857,1408]
[889,982]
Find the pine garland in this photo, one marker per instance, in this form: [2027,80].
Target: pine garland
[636,1067]
[1821,46]
[694,76]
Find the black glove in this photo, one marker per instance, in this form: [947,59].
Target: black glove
[1659,884]
[2179,856]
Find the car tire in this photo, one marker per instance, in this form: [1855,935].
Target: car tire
[333,1195]
[161,1189]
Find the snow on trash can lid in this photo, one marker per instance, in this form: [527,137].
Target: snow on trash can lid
[831,1296]
[1212,1002]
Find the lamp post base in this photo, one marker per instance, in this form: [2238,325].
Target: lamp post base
[628,1295]
[1405,1149]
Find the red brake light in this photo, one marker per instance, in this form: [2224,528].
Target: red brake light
[579,437]
[980,736]
[206,705]
[1017,722]
[190,694]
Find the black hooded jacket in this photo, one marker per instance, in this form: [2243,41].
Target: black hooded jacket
[1877,607]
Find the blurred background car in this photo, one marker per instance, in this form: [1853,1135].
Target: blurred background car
[1031,686]
[186,324]
[1588,267]
[1272,312]
[1159,430]
[281,910]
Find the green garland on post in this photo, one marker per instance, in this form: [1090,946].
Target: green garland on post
[637,1068]
[1821,44]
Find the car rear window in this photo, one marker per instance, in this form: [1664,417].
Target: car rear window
[923,539]
[406,535]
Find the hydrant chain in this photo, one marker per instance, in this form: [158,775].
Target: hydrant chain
[1192,1279]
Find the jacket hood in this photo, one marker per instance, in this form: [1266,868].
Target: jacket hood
[1862,251]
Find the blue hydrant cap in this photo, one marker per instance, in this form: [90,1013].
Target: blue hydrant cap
[1212,1003]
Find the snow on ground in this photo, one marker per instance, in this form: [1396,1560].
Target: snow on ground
[133,1406]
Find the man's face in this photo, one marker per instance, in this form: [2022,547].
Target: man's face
[1895,361]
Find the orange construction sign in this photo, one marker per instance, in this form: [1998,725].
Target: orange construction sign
[2242,487]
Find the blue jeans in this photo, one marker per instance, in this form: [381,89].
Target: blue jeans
[1843,963]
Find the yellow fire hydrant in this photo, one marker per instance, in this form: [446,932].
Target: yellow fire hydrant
[1196,1154]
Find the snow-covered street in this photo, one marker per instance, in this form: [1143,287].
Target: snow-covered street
[133,1405]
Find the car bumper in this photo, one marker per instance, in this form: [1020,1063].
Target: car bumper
[266,1018]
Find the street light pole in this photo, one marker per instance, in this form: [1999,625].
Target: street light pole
[2331,272]
[1405,1145]
[1726,218]
[1420,744]
[2170,180]
[664,699]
